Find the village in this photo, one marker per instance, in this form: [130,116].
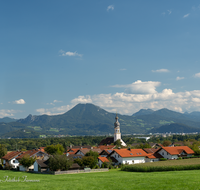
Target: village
[111,152]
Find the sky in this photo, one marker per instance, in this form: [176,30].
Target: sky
[122,56]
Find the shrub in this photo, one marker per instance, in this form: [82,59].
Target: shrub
[163,159]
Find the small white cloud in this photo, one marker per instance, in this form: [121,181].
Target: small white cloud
[163,13]
[69,53]
[169,11]
[180,78]
[110,7]
[197,75]
[57,101]
[20,101]
[8,113]
[139,87]
[161,71]
[185,16]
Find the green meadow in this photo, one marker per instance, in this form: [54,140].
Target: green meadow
[114,179]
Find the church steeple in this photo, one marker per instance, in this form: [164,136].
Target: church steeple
[117,134]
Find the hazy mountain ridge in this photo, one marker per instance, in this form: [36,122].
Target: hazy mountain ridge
[88,119]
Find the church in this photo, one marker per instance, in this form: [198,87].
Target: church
[117,135]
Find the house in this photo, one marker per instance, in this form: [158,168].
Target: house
[101,160]
[40,166]
[105,152]
[38,154]
[129,156]
[10,159]
[152,156]
[107,141]
[175,152]
[83,151]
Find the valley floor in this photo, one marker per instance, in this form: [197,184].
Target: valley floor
[114,179]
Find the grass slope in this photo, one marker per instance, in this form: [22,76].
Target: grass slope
[114,179]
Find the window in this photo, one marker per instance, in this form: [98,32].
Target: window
[133,161]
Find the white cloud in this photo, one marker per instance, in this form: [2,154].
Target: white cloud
[163,13]
[130,101]
[8,113]
[180,78]
[122,69]
[69,53]
[197,75]
[57,101]
[139,87]
[161,71]
[55,110]
[110,7]
[169,11]
[185,16]
[82,99]
[20,101]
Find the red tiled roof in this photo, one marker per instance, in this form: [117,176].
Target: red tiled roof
[150,150]
[130,153]
[103,159]
[103,147]
[11,155]
[29,153]
[178,150]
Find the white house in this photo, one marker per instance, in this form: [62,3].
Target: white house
[129,156]
[175,152]
[35,153]
[101,160]
[10,159]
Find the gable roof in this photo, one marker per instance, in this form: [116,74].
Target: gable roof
[150,150]
[177,150]
[42,163]
[11,155]
[107,141]
[29,153]
[103,147]
[130,152]
[103,159]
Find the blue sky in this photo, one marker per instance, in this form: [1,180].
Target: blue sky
[120,55]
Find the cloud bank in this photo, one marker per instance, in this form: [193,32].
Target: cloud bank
[136,96]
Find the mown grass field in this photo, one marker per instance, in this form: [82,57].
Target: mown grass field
[114,179]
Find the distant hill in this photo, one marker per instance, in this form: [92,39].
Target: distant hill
[88,119]
[175,128]
[21,133]
[7,120]
[143,112]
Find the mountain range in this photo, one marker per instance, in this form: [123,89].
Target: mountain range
[88,119]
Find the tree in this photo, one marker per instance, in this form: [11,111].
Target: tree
[27,161]
[89,161]
[54,149]
[93,154]
[166,143]
[3,150]
[59,162]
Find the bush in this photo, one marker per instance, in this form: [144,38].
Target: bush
[179,158]
[163,159]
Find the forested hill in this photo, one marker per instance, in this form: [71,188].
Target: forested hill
[88,119]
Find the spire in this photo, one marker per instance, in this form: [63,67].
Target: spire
[116,124]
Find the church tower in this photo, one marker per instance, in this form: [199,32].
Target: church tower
[117,134]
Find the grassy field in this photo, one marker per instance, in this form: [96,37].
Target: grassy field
[114,179]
